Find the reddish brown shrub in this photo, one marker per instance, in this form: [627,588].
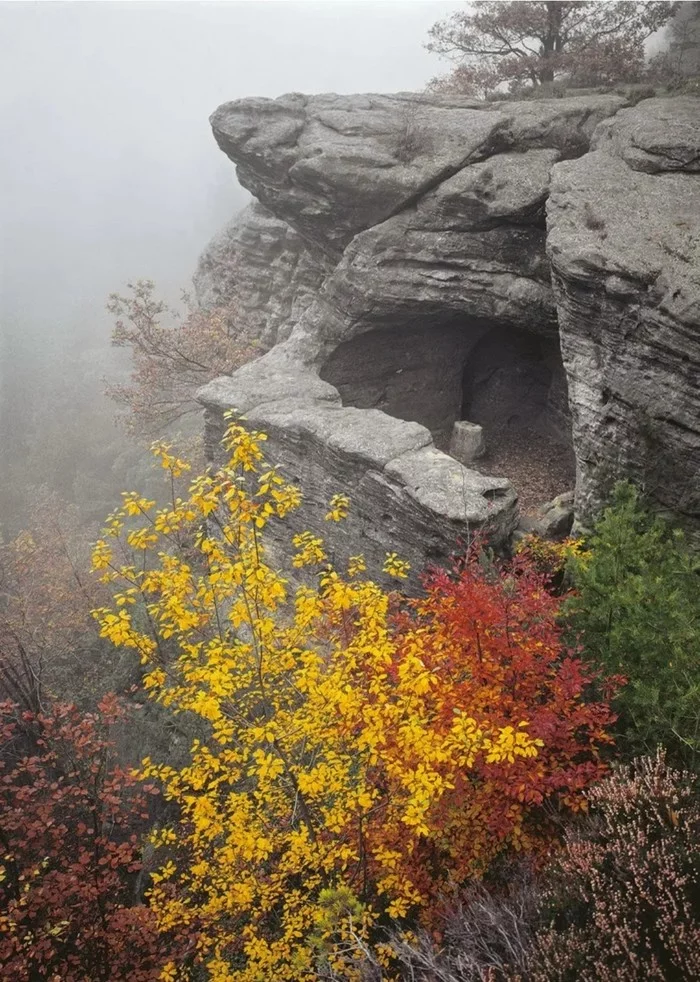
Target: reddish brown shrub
[624,900]
[69,856]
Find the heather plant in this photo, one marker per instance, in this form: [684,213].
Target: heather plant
[623,901]
[636,611]
[619,901]
[361,755]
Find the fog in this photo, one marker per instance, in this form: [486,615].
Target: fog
[109,171]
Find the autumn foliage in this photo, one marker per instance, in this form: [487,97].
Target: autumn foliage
[70,854]
[172,356]
[359,757]
[491,633]
[534,43]
[622,900]
[46,595]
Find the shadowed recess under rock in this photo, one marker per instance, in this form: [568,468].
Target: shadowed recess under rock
[512,383]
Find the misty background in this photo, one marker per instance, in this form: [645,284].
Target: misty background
[109,173]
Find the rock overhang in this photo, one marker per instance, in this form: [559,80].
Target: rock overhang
[461,233]
[333,166]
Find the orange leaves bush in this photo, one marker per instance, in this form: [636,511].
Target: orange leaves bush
[489,639]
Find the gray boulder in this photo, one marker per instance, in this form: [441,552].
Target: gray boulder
[553,520]
[657,135]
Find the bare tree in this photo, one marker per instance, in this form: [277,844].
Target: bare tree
[171,356]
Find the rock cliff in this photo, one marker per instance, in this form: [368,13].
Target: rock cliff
[261,268]
[624,244]
[414,261]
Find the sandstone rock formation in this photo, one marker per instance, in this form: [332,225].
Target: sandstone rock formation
[553,520]
[415,282]
[624,244]
[260,267]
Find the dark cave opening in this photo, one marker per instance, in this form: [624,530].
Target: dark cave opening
[413,372]
[509,382]
[514,387]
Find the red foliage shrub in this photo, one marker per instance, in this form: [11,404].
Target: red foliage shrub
[69,856]
[490,635]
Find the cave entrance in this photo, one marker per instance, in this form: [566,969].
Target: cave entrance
[511,383]
[514,387]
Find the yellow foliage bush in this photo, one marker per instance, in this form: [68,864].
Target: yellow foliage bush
[333,739]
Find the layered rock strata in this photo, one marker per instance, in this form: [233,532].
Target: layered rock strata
[411,240]
[261,272]
[624,245]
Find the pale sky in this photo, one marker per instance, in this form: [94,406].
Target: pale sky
[109,170]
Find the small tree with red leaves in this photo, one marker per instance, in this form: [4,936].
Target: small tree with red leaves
[489,632]
[70,854]
[535,43]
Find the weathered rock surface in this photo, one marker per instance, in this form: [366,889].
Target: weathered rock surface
[335,165]
[553,520]
[429,213]
[624,245]
[467,442]
[404,493]
[655,136]
[259,267]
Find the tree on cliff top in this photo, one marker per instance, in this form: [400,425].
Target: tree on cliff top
[535,43]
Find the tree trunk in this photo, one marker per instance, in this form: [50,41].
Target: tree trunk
[551,43]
